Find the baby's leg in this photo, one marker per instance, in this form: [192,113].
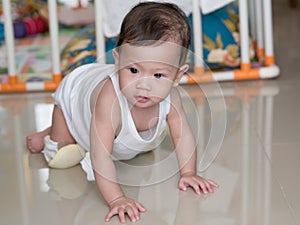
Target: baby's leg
[59,131]
[61,150]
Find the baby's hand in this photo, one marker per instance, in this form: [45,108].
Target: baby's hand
[124,205]
[197,183]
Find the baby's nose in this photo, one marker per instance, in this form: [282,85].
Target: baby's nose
[144,84]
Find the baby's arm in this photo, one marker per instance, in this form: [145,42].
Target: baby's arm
[186,149]
[102,138]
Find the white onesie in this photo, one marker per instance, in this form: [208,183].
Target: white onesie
[73,97]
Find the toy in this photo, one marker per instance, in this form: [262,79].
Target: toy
[29,18]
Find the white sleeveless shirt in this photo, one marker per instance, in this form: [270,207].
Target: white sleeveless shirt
[73,97]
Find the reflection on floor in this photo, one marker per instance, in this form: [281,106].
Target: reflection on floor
[249,191]
[248,141]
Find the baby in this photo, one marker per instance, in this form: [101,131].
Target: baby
[119,111]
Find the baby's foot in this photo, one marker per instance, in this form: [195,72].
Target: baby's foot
[35,142]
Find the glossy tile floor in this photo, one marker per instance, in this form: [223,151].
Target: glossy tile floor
[257,164]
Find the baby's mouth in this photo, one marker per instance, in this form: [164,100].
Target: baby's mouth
[142,99]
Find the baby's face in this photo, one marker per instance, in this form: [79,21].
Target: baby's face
[148,73]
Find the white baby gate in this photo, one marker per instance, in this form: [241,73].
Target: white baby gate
[259,12]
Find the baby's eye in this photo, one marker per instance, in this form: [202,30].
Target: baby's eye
[133,70]
[158,75]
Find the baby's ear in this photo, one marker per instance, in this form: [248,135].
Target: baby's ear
[181,71]
[116,57]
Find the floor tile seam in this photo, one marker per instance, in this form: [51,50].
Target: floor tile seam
[276,179]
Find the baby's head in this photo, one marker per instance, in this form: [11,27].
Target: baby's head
[151,22]
[151,52]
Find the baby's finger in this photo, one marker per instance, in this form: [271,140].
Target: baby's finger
[140,207]
[208,186]
[182,185]
[195,186]
[213,183]
[136,212]
[122,215]
[203,187]
[111,213]
[131,213]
